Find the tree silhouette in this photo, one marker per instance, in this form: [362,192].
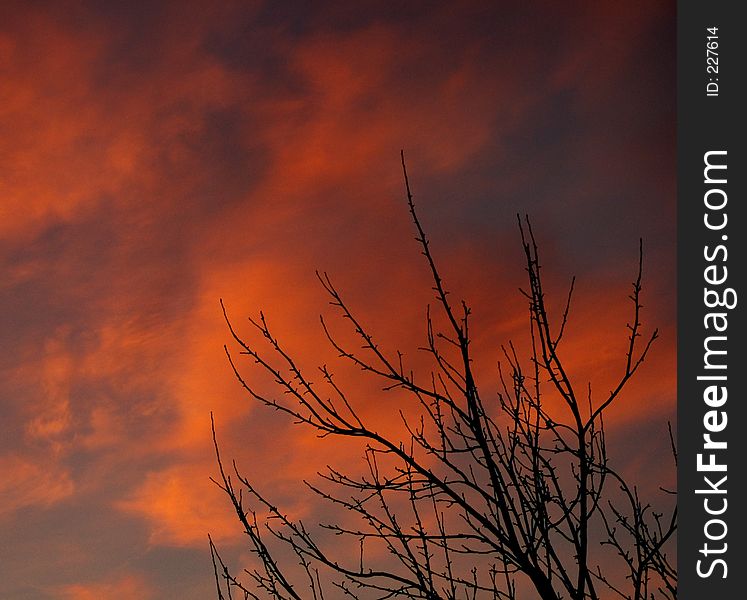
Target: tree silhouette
[481,498]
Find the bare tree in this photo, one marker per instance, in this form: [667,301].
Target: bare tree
[481,498]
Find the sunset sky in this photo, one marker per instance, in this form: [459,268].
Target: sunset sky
[158,156]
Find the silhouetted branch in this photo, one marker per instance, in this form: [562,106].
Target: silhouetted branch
[476,499]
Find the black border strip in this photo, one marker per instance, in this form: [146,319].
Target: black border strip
[710,123]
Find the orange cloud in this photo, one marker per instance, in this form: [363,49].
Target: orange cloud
[155,160]
[125,587]
[27,483]
[182,506]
